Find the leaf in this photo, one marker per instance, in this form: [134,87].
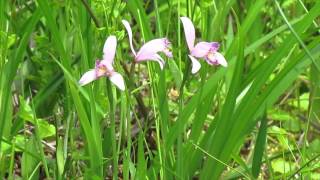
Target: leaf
[293,125]
[279,115]
[29,164]
[281,166]
[141,166]
[45,128]
[259,147]
[19,141]
[280,134]
[60,157]
[314,147]
[302,103]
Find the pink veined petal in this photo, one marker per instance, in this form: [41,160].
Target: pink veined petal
[195,64]
[152,47]
[203,48]
[117,80]
[168,53]
[220,59]
[216,59]
[154,57]
[189,32]
[109,50]
[159,59]
[88,77]
[129,31]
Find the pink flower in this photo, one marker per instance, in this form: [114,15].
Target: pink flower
[150,50]
[205,50]
[104,67]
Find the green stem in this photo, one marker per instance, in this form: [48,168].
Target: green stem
[94,18]
[142,107]
[113,131]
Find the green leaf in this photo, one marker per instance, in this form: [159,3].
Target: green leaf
[29,164]
[60,157]
[281,166]
[26,113]
[279,115]
[302,103]
[141,166]
[259,147]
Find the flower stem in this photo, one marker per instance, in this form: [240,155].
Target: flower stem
[94,18]
[142,107]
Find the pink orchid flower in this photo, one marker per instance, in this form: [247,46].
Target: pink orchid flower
[104,67]
[150,50]
[205,50]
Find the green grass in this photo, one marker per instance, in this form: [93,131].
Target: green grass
[256,119]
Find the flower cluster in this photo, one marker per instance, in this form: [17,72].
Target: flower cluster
[150,52]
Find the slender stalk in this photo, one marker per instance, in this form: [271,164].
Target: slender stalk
[94,18]
[303,166]
[39,139]
[11,170]
[113,131]
[138,96]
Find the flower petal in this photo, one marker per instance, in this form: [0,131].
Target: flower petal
[220,59]
[159,59]
[203,48]
[216,59]
[154,57]
[152,47]
[195,65]
[168,53]
[109,50]
[101,65]
[189,32]
[117,80]
[88,77]
[129,31]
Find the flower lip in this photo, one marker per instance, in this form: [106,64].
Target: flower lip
[168,53]
[103,69]
[202,49]
[210,58]
[151,48]
[214,47]
[167,50]
[216,58]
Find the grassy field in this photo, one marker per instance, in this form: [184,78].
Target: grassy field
[229,91]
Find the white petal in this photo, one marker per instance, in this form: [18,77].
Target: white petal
[88,77]
[117,80]
[154,57]
[109,50]
[159,59]
[152,47]
[129,31]
[220,59]
[189,32]
[195,65]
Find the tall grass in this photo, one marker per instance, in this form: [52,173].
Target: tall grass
[248,120]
